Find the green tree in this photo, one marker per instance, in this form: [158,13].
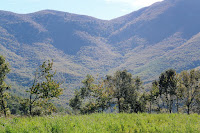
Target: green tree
[76,101]
[4,70]
[122,86]
[153,96]
[135,99]
[83,100]
[44,87]
[190,84]
[126,91]
[179,93]
[91,97]
[103,95]
[197,109]
[168,86]
[140,105]
[120,89]
[13,103]
[24,104]
[88,84]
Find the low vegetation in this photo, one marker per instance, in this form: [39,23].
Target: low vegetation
[103,123]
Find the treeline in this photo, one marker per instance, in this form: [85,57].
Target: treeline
[43,89]
[171,93]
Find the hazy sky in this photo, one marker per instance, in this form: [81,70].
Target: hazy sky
[103,9]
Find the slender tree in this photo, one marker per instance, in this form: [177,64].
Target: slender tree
[168,86]
[136,99]
[4,70]
[190,83]
[154,96]
[44,88]
[179,93]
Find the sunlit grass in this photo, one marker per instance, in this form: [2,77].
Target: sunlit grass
[103,123]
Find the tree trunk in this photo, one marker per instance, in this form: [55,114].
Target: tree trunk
[30,105]
[177,106]
[102,107]
[4,108]
[188,109]
[119,106]
[167,102]
[150,108]
[170,105]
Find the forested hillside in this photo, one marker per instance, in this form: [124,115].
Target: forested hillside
[145,42]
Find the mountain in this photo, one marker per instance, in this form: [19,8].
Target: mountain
[145,42]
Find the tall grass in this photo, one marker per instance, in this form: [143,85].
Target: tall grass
[103,123]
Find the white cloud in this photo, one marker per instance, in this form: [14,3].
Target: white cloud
[134,3]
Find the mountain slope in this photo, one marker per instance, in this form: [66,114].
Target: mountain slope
[146,42]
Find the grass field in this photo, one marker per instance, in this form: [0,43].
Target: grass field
[103,123]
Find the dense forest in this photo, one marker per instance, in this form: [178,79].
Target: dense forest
[171,93]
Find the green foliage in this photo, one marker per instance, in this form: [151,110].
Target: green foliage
[14,105]
[24,104]
[167,87]
[103,123]
[153,96]
[91,97]
[190,86]
[44,87]
[75,102]
[121,89]
[176,90]
[126,91]
[4,70]
[88,84]
[103,94]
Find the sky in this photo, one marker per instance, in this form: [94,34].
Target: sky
[102,9]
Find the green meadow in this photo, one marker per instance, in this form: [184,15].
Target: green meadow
[103,123]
